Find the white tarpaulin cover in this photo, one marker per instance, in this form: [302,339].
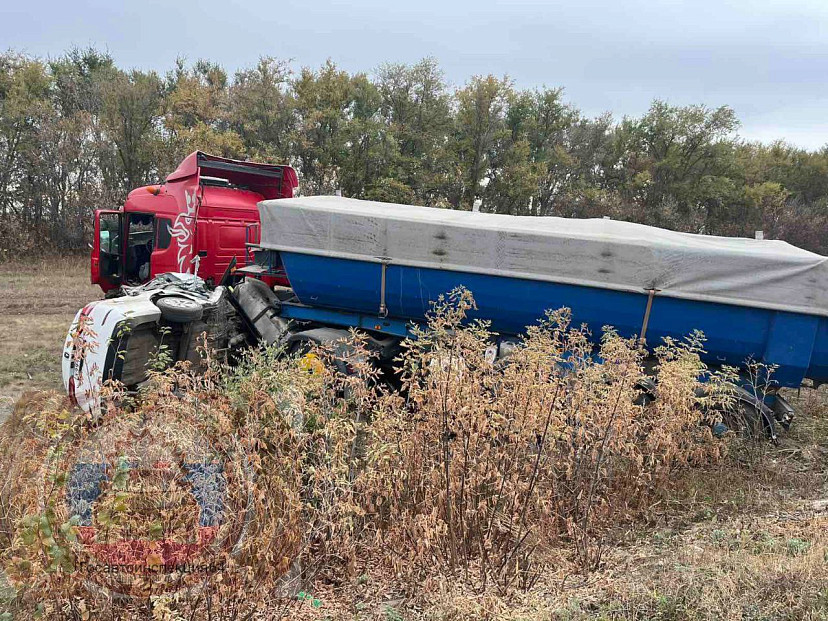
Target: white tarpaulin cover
[595,252]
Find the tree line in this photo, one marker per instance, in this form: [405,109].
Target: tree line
[77,133]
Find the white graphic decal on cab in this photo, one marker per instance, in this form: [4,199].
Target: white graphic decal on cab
[182,232]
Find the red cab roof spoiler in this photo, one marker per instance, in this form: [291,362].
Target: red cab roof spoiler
[271,181]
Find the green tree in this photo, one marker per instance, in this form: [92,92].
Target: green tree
[197,111]
[677,162]
[25,89]
[480,129]
[371,148]
[323,105]
[416,107]
[534,166]
[132,115]
[261,110]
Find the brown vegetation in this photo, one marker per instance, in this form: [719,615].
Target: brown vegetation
[536,489]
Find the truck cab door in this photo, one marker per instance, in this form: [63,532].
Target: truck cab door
[164,255]
[107,249]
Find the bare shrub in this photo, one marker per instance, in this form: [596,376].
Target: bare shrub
[477,471]
[489,467]
[283,438]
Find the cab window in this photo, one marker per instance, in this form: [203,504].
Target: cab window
[163,237]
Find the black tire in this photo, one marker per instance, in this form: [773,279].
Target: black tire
[745,418]
[178,309]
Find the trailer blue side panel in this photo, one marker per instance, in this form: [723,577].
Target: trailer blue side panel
[818,369]
[798,343]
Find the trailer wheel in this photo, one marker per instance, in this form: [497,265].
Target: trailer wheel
[744,418]
[750,419]
[179,310]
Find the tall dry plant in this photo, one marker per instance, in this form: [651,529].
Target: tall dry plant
[492,467]
[481,470]
[281,435]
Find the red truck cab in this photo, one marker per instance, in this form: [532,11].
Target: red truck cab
[197,221]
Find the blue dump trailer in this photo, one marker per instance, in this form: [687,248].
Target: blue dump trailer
[382,265]
[379,266]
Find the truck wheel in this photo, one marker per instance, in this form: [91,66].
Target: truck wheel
[179,310]
[302,344]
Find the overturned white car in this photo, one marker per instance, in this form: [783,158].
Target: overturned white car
[117,338]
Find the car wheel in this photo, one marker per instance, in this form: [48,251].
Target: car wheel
[179,310]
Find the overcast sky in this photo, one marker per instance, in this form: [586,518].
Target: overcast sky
[768,59]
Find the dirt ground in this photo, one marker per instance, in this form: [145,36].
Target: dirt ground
[38,301]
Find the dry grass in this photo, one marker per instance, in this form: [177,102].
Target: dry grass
[722,541]
[726,542]
[37,303]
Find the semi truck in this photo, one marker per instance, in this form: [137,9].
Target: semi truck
[349,264]
[197,221]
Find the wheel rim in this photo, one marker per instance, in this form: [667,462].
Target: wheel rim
[180,303]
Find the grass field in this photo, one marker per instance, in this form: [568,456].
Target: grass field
[37,302]
[747,538]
